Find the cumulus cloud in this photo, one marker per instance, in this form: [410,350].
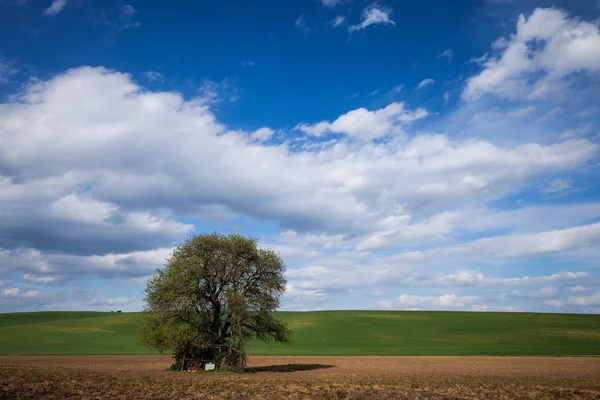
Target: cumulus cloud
[16,292]
[407,301]
[343,270]
[77,223]
[585,301]
[176,141]
[367,125]
[12,297]
[331,268]
[554,303]
[97,173]
[334,268]
[52,268]
[55,7]
[510,246]
[373,15]
[262,134]
[547,47]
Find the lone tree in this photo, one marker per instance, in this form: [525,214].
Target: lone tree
[213,294]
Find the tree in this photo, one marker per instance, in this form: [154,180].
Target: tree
[213,295]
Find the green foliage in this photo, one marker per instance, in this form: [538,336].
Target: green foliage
[326,333]
[214,294]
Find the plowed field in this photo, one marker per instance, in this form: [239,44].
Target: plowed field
[144,377]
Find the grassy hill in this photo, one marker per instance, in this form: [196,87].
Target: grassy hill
[327,333]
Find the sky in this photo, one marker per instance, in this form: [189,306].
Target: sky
[398,155]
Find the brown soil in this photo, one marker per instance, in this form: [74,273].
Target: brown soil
[144,377]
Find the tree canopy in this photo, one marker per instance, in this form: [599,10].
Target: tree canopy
[214,294]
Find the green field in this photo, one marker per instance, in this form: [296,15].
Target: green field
[326,333]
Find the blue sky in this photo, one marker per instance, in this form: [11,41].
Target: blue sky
[398,155]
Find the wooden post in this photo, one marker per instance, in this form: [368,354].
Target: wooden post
[182,364]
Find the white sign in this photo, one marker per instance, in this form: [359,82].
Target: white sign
[209,366]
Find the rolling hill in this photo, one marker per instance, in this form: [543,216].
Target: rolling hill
[326,333]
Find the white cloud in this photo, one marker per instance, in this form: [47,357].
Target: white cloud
[398,88]
[570,133]
[446,97]
[509,246]
[10,292]
[330,3]
[576,289]
[153,76]
[585,301]
[554,303]
[528,219]
[406,301]
[332,268]
[373,15]
[217,92]
[48,268]
[119,22]
[521,112]
[338,21]
[546,48]
[352,187]
[470,278]
[479,60]
[262,134]
[5,72]
[127,11]
[556,185]
[448,54]
[367,125]
[397,229]
[301,24]
[18,293]
[55,7]
[85,205]
[36,279]
[425,82]
[473,182]
[62,221]
[115,301]
[545,292]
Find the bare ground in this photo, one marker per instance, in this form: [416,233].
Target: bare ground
[144,377]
